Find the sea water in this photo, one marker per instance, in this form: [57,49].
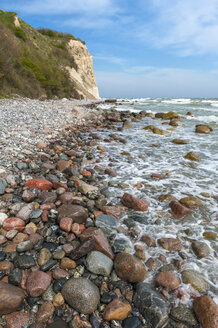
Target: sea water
[152,153]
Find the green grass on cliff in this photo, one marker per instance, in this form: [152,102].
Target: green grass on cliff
[32,62]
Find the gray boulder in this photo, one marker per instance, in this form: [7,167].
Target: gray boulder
[152,305]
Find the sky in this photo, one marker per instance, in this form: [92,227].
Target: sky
[140,48]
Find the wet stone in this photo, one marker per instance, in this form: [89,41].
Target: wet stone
[48,265]
[183,314]
[58,284]
[133,322]
[129,267]
[206,311]
[58,324]
[200,249]
[107,223]
[75,212]
[17,320]
[37,283]
[2,256]
[50,246]
[81,294]
[99,263]
[44,256]
[152,305]
[83,249]
[121,244]
[11,298]
[168,268]
[36,214]
[24,261]
[15,277]
[24,246]
[196,280]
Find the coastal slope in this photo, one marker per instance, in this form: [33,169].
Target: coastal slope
[43,63]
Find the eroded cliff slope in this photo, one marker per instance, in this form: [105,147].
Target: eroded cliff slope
[43,63]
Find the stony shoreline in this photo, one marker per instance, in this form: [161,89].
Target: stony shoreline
[59,266]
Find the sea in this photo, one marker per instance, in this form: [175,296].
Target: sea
[152,153]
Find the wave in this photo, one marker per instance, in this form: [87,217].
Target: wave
[178,101]
[207,119]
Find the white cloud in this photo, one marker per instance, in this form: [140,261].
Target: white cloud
[157,82]
[188,27]
[110,59]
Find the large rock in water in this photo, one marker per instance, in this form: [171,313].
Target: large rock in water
[152,305]
[196,280]
[81,294]
[129,267]
[200,249]
[206,311]
[134,203]
[75,212]
[11,298]
[178,210]
[202,128]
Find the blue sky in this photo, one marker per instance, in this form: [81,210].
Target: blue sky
[140,48]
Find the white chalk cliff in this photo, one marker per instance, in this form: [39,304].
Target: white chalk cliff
[83,77]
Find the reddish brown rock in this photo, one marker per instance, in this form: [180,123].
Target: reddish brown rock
[117,310]
[37,283]
[13,224]
[66,198]
[59,273]
[101,243]
[158,176]
[112,210]
[152,264]
[6,266]
[40,144]
[41,184]
[75,212]
[81,322]
[11,298]
[10,247]
[178,210]
[167,280]
[62,165]
[28,196]
[17,320]
[3,240]
[134,203]
[170,244]
[66,224]
[206,311]
[20,237]
[129,268]
[45,312]
[67,263]
[57,185]
[150,242]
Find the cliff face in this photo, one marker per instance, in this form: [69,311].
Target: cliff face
[43,63]
[84,75]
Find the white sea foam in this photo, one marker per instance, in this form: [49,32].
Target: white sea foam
[178,101]
[206,119]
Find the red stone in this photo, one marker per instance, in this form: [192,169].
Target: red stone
[157,176]
[112,210]
[134,203]
[178,210]
[66,224]
[41,184]
[86,173]
[168,280]
[129,268]
[45,312]
[59,273]
[17,320]
[170,244]
[13,224]
[57,185]
[206,311]
[101,243]
[11,298]
[45,216]
[37,283]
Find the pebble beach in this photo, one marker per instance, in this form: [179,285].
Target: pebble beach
[108,214]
